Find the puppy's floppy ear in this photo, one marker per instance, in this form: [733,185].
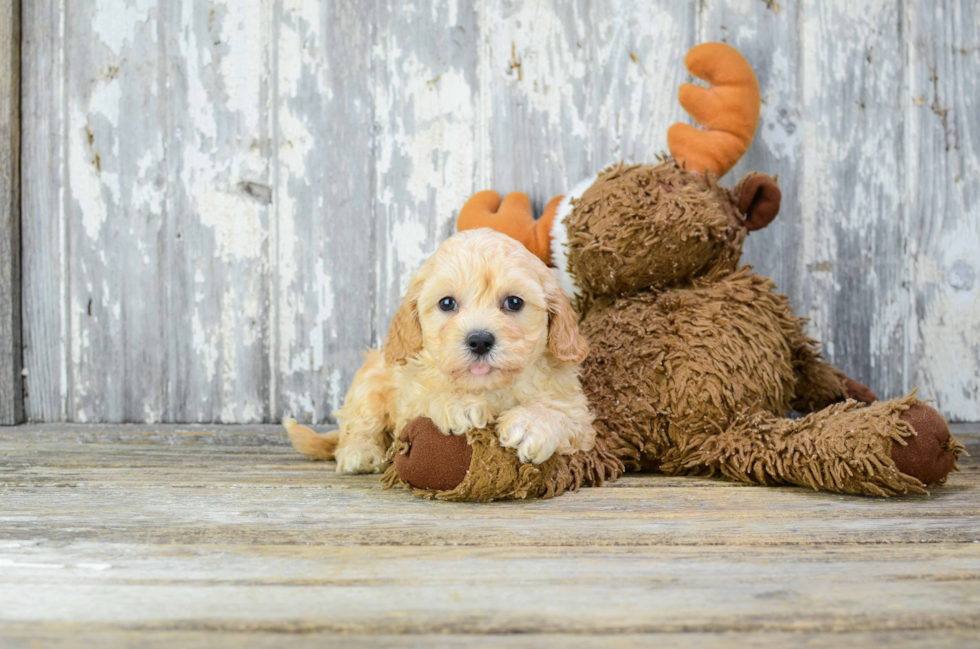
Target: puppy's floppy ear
[564,339]
[404,338]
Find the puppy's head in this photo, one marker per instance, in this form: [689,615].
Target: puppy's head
[484,308]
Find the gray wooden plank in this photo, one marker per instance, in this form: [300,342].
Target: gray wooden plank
[854,101]
[637,67]
[45,245]
[325,233]
[11,355]
[84,635]
[768,34]
[67,634]
[118,278]
[108,532]
[944,218]
[219,149]
[538,97]
[430,152]
[195,487]
[491,590]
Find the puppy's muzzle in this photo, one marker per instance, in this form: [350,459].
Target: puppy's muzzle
[480,342]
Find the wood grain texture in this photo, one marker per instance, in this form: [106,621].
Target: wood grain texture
[224,201]
[11,354]
[26,636]
[194,536]
[639,50]
[539,64]
[944,199]
[219,172]
[115,215]
[324,202]
[855,93]
[46,258]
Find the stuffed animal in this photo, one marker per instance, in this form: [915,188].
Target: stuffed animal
[694,362]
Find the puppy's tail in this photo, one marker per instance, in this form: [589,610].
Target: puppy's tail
[309,443]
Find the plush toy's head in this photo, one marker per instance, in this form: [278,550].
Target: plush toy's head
[659,225]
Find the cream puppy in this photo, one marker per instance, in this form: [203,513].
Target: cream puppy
[484,336]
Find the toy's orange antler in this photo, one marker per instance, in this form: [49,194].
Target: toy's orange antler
[728,110]
[513,217]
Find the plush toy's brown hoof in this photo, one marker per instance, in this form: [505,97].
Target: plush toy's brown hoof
[433,461]
[929,456]
[858,391]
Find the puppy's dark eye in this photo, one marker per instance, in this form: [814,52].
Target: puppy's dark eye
[513,303]
[447,304]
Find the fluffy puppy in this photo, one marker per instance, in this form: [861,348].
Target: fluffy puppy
[485,335]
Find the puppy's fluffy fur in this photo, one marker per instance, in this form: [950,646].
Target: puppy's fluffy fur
[427,369]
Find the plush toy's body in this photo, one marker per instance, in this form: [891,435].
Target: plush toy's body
[694,362]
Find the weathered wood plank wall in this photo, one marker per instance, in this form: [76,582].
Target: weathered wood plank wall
[223,201]
[11,391]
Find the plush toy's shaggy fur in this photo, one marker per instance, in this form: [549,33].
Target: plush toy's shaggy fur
[694,361]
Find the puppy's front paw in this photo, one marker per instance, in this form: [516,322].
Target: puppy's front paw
[519,429]
[464,417]
[360,458]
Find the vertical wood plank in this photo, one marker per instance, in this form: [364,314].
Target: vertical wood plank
[218,157]
[768,34]
[115,214]
[325,236]
[11,392]
[638,65]
[538,66]
[854,100]
[44,241]
[944,220]
[428,118]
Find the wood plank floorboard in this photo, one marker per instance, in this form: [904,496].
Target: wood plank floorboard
[193,536]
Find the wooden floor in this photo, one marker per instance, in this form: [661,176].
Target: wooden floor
[224,537]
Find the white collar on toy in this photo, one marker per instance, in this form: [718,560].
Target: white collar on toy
[559,236]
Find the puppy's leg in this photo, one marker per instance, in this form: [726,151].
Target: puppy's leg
[540,429]
[456,414]
[364,419]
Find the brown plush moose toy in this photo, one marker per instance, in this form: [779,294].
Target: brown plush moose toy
[694,362]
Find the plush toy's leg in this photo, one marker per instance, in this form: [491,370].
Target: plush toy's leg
[883,449]
[476,468]
[818,383]
[427,459]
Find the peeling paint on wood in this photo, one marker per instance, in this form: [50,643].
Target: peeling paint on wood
[224,201]
[943,192]
[854,92]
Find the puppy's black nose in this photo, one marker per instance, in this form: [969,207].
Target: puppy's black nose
[480,342]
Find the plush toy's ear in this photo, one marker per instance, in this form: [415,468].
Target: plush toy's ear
[404,338]
[757,197]
[564,339]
